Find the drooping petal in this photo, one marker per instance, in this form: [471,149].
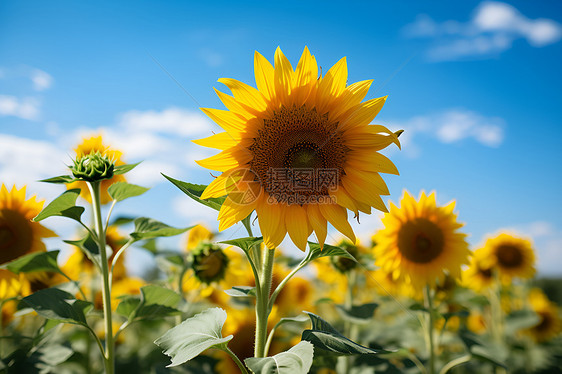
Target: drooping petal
[271,218]
[337,216]
[297,225]
[318,223]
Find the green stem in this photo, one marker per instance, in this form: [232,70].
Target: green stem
[106,289]
[237,360]
[280,286]
[429,301]
[262,302]
[348,326]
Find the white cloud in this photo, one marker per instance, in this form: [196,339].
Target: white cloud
[41,80]
[450,126]
[491,30]
[175,121]
[26,108]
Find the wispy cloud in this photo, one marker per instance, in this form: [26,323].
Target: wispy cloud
[26,108]
[41,79]
[450,126]
[492,29]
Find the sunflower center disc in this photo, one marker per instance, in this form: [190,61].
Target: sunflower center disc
[210,267]
[420,240]
[509,256]
[298,154]
[15,235]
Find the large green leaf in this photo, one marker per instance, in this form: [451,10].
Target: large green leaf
[328,250]
[122,169]
[195,191]
[123,190]
[359,314]
[482,350]
[245,244]
[157,302]
[325,337]
[63,179]
[37,261]
[147,228]
[64,205]
[59,305]
[193,336]
[296,360]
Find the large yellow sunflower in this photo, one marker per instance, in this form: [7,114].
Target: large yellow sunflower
[420,243]
[18,234]
[95,144]
[511,255]
[298,149]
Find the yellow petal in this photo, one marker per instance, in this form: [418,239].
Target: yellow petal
[264,76]
[222,141]
[297,225]
[370,161]
[233,105]
[305,77]
[364,114]
[229,121]
[337,216]
[318,223]
[219,187]
[283,76]
[232,212]
[350,99]
[226,160]
[246,94]
[271,217]
[360,194]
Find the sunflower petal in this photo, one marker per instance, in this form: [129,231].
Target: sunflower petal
[263,71]
[297,225]
[337,216]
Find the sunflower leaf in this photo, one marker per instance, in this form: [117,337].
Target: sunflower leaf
[122,190]
[327,339]
[358,314]
[195,191]
[87,244]
[241,291]
[62,179]
[37,261]
[328,250]
[245,244]
[58,305]
[296,360]
[194,335]
[156,302]
[148,228]
[122,169]
[64,205]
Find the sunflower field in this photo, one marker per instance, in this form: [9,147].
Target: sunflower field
[299,156]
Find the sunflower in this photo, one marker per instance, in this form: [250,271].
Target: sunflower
[18,234]
[95,144]
[420,243]
[11,286]
[298,150]
[549,325]
[513,256]
[480,274]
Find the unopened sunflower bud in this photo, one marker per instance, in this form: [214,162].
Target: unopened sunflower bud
[93,167]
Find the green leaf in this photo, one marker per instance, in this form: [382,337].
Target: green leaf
[157,302]
[245,244]
[325,337]
[147,228]
[358,314]
[128,305]
[329,250]
[86,244]
[481,350]
[520,320]
[63,179]
[122,169]
[195,191]
[121,220]
[38,261]
[296,360]
[59,305]
[241,291]
[193,336]
[122,190]
[64,205]
[50,356]
[298,319]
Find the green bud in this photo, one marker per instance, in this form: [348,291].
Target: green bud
[93,167]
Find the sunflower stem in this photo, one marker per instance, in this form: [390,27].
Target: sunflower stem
[348,326]
[262,302]
[429,302]
[236,360]
[106,288]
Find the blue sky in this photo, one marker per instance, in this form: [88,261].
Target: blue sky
[476,86]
